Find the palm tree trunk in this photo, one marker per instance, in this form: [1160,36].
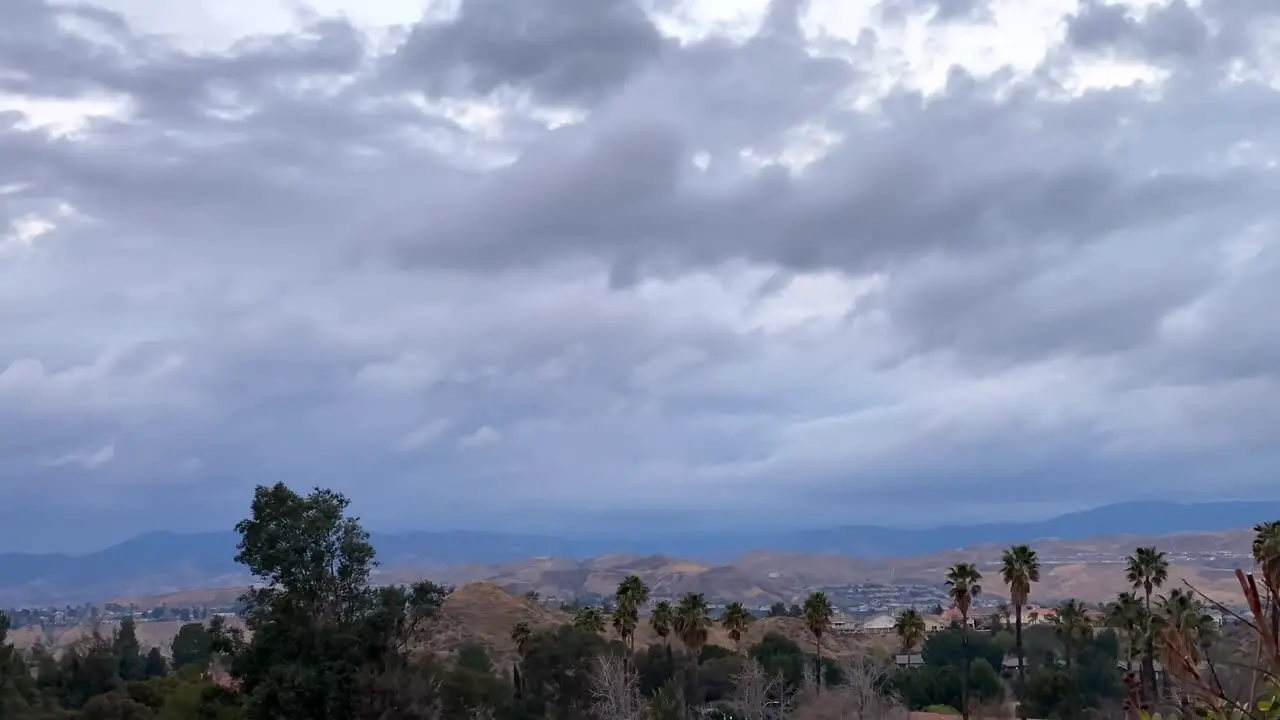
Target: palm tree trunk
[1074,671]
[1022,678]
[964,669]
[817,662]
[1148,660]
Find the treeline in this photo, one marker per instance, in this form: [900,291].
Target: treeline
[324,643]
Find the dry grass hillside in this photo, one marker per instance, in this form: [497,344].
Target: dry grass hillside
[1090,570]
[150,634]
[484,613]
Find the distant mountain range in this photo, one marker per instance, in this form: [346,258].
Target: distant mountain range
[169,562]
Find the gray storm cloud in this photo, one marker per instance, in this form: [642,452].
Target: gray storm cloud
[610,286]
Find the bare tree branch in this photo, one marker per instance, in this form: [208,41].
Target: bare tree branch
[615,691]
[862,696]
[760,696]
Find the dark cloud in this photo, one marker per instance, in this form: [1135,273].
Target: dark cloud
[542,261]
[562,51]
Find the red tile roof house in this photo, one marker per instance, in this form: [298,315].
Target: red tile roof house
[953,615]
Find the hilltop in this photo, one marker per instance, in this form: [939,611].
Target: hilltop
[1088,570]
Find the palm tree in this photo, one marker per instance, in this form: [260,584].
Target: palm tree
[911,629]
[1184,628]
[691,623]
[662,620]
[1147,569]
[631,594]
[1266,552]
[1127,615]
[963,586]
[1073,629]
[818,613]
[589,618]
[735,620]
[520,634]
[1020,569]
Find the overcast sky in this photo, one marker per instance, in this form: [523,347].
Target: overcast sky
[565,265]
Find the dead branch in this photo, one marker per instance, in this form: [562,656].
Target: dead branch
[861,697]
[615,691]
[760,696]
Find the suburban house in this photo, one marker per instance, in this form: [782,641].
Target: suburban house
[879,625]
[953,615]
[844,625]
[934,623]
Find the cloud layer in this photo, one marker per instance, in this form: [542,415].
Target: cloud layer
[592,263]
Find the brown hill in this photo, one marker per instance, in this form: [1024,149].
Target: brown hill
[157,634]
[1090,570]
[484,613]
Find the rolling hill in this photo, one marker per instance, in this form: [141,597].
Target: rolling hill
[163,563]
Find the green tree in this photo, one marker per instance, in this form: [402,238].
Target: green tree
[1184,628]
[1020,569]
[691,623]
[1073,630]
[663,620]
[631,595]
[1266,551]
[735,620]
[818,614]
[910,628]
[963,585]
[1126,614]
[324,644]
[557,670]
[1147,569]
[191,646]
[589,618]
[154,665]
[128,652]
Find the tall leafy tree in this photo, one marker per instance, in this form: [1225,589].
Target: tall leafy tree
[1020,569]
[735,620]
[910,628]
[124,643]
[1147,569]
[154,665]
[963,585]
[818,613]
[324,643]
[191,646]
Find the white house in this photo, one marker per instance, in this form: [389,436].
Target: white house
[879,625]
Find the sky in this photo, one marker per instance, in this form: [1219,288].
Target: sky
[584,265]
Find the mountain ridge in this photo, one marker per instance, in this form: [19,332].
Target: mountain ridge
[165,562]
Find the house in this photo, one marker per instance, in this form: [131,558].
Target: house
[880,625]
[934,623]
[844,626]
[952,615]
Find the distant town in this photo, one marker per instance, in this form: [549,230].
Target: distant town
[75,615]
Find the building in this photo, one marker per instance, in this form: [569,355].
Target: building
[879,625]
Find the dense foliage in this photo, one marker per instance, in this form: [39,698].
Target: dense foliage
[323,642]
